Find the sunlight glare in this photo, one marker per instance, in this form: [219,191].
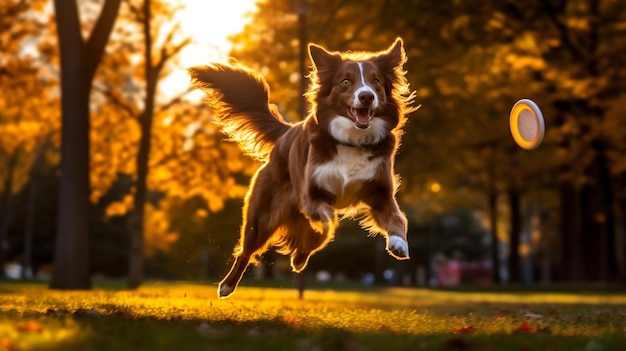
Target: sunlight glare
[209,23]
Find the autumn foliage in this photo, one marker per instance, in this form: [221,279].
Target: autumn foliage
[559,206]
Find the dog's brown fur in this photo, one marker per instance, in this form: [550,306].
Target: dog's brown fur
[337,162]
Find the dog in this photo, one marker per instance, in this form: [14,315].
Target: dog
[338,162]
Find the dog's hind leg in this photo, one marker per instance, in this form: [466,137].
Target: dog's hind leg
[228,285]
[255,236]
[259,225]
[307,241]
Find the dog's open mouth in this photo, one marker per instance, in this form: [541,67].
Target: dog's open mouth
[360,116]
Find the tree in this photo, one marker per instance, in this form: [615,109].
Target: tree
[168,144]
[469,64]
[152,73]
[27,106]
[78,64]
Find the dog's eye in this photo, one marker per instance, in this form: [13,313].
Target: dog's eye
[345,82]
[376,81]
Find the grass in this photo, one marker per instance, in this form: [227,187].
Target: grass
[186,316]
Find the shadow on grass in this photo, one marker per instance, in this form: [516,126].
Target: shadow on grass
[183,316]
[125,333]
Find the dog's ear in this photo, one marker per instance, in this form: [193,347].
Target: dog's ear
[393,57]
[321,58]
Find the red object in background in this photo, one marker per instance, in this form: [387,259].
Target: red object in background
[524,328]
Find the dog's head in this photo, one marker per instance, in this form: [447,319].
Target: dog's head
[359,96]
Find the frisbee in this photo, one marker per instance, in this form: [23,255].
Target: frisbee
[527,124]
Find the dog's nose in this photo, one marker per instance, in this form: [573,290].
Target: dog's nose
[366,97]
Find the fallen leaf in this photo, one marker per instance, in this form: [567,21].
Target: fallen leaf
[6,344]
[29,327]
[290,320]
[463,330]
[524,328]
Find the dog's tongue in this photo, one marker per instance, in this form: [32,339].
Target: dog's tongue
[361,116]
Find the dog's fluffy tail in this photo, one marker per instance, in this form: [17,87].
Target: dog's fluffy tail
[240,99]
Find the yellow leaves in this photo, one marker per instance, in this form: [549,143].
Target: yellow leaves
[581,24]
[215,203]
[27,117]
[461,21]
[189,158]
[525,62]
[202,213]
[157,236]
[157,233]
[161,174]
[114,140]
[119,208]
[24,134]
[497,21]
[6,344]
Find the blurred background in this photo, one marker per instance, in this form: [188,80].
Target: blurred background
[110,165]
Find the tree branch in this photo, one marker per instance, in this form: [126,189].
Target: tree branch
[178,98]
[118,101]
[94,47]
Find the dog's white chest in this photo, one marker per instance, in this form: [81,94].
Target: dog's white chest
[344,174]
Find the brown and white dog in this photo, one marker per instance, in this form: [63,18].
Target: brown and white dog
[337,162]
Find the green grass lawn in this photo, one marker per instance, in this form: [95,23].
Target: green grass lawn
[185,316]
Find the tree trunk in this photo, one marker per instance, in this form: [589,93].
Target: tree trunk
[79,60]
[135,273]
[5,210]
[495,242]
[516,228]
[598,220]
[71,259]
[30,213]
[571,233]
[622,249]
[605,217]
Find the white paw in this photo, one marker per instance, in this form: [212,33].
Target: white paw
[398,247]
[225,291]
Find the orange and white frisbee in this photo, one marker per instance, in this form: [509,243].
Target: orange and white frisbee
[527,124]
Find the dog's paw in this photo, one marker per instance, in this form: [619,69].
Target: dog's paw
[224,291]
[398,247]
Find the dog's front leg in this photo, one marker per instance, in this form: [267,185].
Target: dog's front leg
[315,204]
[386,215]
[397,244]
